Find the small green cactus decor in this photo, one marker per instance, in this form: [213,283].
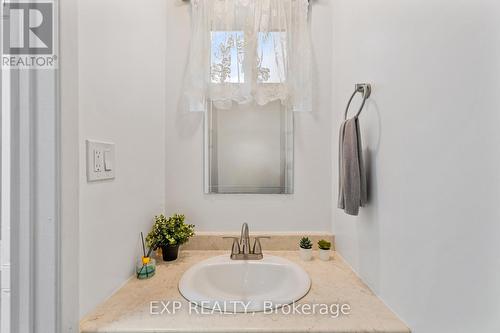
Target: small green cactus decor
[324,249]
[324,245]
[305,243]
[305,249]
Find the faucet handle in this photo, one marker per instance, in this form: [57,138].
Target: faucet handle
[235,248]
[257,247]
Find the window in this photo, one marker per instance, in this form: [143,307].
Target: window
[249,147]
[249,68]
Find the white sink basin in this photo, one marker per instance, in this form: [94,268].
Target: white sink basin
[244,285]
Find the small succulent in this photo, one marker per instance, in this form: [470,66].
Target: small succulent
[324,245]
[306,243]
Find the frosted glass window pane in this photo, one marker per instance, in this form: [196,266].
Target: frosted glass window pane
[249,149]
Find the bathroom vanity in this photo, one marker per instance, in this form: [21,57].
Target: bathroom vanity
[156,305]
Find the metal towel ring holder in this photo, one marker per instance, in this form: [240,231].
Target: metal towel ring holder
[366,90]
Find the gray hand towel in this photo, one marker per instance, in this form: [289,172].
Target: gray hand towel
[352,178]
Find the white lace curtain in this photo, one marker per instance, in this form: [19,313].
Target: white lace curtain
[249,51]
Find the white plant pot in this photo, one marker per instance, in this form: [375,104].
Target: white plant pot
[324,254]
[306,254]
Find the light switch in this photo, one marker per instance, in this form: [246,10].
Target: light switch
[100,160]
[108,160]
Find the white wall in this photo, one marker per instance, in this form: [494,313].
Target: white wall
[309,208]
[428,243]
[122,100]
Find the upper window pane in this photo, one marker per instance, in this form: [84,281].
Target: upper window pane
[227,57]
[271,57]
[228,50]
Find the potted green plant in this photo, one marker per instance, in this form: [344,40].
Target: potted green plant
[305,249]
[168,234]
[324,249]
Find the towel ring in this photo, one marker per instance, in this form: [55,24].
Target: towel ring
[366,90]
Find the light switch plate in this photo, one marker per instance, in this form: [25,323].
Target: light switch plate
[100,160]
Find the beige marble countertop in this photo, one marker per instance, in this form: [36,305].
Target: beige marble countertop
[333,282]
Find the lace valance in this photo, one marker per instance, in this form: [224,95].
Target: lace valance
[249,51]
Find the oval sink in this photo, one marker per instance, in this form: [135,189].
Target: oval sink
[244,285]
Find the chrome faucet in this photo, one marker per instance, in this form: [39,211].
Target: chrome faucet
[245,239]
[240,249]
